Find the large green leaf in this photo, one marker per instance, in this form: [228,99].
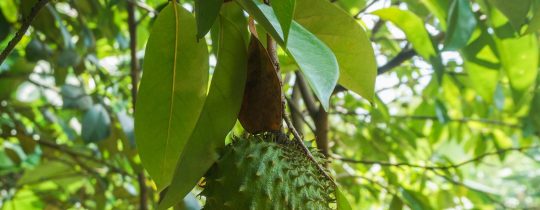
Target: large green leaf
[316,61]
[206,12]
[519,59]
[172,91]
[219,113]
[516,10]
[342,202]
[413,27]
[482,63]
[461,24]
[284,10]
[346,38]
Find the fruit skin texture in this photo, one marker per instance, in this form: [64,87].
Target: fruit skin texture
[262,172]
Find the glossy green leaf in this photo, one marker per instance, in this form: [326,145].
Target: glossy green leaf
[413,27]
[482,64]
[219,113]
[346,38]
[316,61]
[284,10]
[342,202]
[515,10]
[96,124]
[172,91]
[461,25]
[519,59]
[206,12]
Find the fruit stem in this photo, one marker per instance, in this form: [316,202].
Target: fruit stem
[271,48]
[306,151]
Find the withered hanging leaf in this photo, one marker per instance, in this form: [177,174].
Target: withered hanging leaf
[261,107]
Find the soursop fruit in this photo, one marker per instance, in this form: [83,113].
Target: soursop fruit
[263,172]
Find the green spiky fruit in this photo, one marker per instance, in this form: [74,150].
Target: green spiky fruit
[262,172]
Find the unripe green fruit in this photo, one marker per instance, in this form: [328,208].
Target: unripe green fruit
[262,172]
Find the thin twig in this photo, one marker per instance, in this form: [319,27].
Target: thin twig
[309,100]
[459,120]
[401,57]
[297,111]
[24,27]
[143,6]
[72,153]
[462,120]
[381,185]
[365,8]
[133,52]
[457,182]
[446,167]
[306,151]
[132,24]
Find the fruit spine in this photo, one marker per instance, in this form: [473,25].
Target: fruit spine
[267,172]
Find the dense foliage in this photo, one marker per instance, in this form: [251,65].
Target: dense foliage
[417,104]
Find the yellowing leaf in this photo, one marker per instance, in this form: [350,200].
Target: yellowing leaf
[346,38]
[413,27]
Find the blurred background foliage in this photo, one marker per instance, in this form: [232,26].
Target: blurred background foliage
[455,123]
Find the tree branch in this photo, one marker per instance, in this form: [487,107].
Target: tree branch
[401,57]
[296,110]
[52,145]
[143,6]
[133,52]
[309,100]
[460,120]
[24,27]
[357,16]
[132,24]
[297,138]
[445,167]
[294,102]
[321,134]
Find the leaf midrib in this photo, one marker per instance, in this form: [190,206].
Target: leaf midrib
[171,105]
